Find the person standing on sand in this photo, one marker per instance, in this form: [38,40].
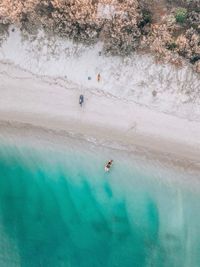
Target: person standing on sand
[81,100]
[98,77]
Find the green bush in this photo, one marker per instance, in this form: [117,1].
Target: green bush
[172,46]
[181,15]
[147,17]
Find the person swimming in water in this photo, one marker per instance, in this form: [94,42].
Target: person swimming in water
[108,165]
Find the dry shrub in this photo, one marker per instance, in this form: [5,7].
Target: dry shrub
[197,66]
[13,11]
[80,20]
[194,19]
[158,41]
[188,44]
[122,33]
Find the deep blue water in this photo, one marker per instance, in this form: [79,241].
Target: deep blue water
[61,209]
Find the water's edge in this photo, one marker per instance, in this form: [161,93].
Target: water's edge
[58,207]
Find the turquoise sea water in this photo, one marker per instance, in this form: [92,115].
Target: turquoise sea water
[59,208]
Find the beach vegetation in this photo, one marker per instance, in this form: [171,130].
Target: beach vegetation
[122,26]
[181,15]
[172,46]
[147,16]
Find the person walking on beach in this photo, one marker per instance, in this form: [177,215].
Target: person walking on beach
[98,77]
[81,100]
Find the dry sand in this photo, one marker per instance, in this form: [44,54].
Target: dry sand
[27,99]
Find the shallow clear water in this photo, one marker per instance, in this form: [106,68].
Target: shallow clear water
[59,208]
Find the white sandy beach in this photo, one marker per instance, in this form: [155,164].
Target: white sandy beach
[43,102]
[41,80]
[132,78]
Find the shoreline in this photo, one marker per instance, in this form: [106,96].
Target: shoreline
[29,100]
